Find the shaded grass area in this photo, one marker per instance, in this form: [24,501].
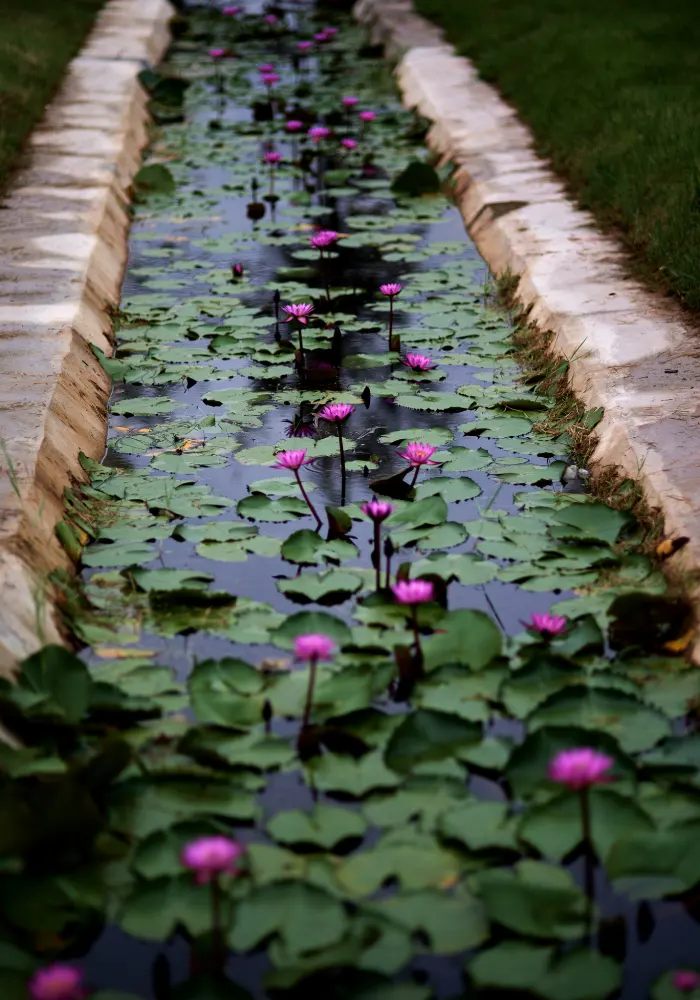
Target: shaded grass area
[611,91]
[37,40]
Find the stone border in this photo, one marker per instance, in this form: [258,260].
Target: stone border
[632,352]
[64,229]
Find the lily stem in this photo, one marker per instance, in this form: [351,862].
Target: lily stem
[310,691]
[342,464]
[378,554]
[589,858]
[305,495]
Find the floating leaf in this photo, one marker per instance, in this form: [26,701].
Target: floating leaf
[535,899]
[429,735]
[325,826]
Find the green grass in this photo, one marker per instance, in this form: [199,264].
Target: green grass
[37,40]
[611,91]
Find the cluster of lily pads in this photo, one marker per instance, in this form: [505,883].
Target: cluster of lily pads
[482,763]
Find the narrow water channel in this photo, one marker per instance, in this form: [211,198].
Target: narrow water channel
[403,834]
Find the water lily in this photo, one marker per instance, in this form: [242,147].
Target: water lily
[270,79]
[546,625]
[418,454]
[209,857]
[413,593]
[321,37]
[300,312]
[312,647]
[293,461]
[418,362]
[237,271]
[293,125]
[318,132]
[336,413]
[350,102]
[377,511]
[57,982]
[685,980]
[367,116]
[232,11]
[324,238]
[349,143]
[271,19]
[217,53]
[580,769]
[304,46]
[267,68]
[272,157]
[391,290]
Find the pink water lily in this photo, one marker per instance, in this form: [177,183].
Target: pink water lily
[305,46]
[335,412]
[237,271]
[217,53]
[232,11]
[418,362]
[293,461]
[318,132]
[331,32]
[580,768]
[324,238]
[271,19]
[209,857]
[321,37]
[367,116]
[350,102]
[547,625]
[57,982]
[313,646]
[300,311]
[377,510]
[417,454]
[272,157]
[267,68]
[391,289]
[349,143]
[293,125]
[685,980]
[413,591]
[270,79]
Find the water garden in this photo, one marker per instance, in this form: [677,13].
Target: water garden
[371,696]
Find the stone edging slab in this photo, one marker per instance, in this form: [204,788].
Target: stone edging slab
[632,352]
[63,232]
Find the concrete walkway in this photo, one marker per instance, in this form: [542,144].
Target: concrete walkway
[63,231]
[634,353]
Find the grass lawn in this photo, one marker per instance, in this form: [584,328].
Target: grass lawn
[37,40]
[611,90]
